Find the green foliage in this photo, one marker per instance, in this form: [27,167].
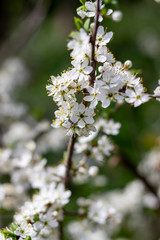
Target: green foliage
[8,234]
[87,24]
[28,238]
[13,226]
[82,1]
[36,218]
[113,4]
[78,22]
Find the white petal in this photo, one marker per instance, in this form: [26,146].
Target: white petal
[100,30]
[101,58]
[108,36]
[89,120]
[88,98]
[93,103]
[81,123]
[74,118]
[88,70]
[81,108]
[100,19]
[90,14]
[90,6]
[106,103]
[137,103]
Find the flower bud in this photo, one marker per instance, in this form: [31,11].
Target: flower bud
[101,69]
[117,16]
[93,171]
[128,64]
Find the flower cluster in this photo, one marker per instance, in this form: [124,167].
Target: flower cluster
[77,94]
[98,144]
[41,215]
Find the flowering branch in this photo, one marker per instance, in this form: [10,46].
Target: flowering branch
[93,40]
[69,160]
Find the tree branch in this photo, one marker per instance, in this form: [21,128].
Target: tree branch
[69,160]
[93,40]
[132,168]
[154,96]
[60,231]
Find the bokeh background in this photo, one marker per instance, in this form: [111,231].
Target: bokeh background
[36,33]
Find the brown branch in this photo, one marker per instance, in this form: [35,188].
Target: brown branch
[93,40]
[154,96]
[71,213]
[69,160]
[60,231]
[25,30]
[132,168]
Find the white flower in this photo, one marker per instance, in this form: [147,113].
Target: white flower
[111,128]
[92,95]
[136,96]
[25,229]
[82,115]
[48,219]
[103,38]
[109,95]
[61,196]
[80,45]
[92,8]
[157,92]
[105,145]
[97,212]
[2,237]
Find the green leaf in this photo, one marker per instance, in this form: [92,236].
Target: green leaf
[78,22]
[73,34]
[28,238]
[36,218]
[8,234]
[104,11]
[107,1]
[82,1]
[13,226]
[87,24]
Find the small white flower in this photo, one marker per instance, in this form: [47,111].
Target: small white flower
[92,8]
[136,96]
[25,229]
[103,38]
[82,116]
[157,92]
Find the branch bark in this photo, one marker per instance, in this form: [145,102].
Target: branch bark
[132,168]
[67,178]
[93,40]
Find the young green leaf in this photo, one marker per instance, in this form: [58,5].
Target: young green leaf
[13,226]
[82,1]
[78,22]
[87,24]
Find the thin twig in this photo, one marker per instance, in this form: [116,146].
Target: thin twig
[71,213]
[154,96]
[93,40]
[129,165]
[69,160]
[60,231]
